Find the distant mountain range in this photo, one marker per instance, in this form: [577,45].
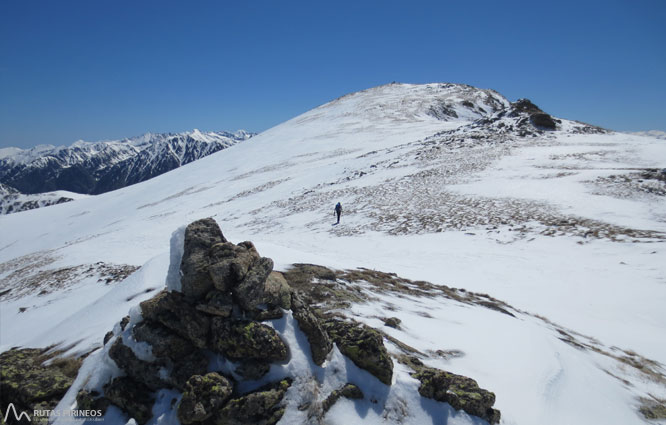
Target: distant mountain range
[658,134]
[98,167]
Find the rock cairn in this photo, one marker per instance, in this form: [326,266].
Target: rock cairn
[227,291]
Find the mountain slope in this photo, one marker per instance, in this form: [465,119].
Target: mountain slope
[442,183]
[100,167]
[12,201]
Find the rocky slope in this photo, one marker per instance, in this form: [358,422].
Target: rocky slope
[94,168]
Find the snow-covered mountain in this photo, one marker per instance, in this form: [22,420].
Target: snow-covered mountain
[13,201]
[93,168]
[552,230]
[658,134]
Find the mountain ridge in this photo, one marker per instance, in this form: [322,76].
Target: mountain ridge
[98,167]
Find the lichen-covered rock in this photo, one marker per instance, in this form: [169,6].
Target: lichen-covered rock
[203,396]
[250,293]
[195,363]
[145,372]
[364,346]
[350,391]
[28,384]
[132,397]
[262,407]
[217,303]
[200,236]
[392,322]
[164,342]
[172,310]
[320,343]
[461,392]
[91,400]
[241,340]
[252,369]
[229,263]
[277,291]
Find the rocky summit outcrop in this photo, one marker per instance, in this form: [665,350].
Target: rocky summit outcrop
[228,292]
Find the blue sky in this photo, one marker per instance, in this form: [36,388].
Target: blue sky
[97,70]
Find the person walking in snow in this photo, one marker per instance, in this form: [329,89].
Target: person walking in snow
[338,211]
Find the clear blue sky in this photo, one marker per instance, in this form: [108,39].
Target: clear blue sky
[108,69]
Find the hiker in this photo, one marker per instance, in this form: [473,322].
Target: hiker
[338,211]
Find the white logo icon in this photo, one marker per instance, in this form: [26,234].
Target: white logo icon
[18,417]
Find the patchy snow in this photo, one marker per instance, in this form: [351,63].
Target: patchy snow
[427,194]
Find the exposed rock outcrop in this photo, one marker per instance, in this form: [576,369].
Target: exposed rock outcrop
[364,346]
[261,407]
[228,291]
[320,343]
[461,392]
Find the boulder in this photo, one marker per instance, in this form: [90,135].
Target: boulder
[392,322]
[200,236]
[203,396]
[262,407]
[350,391]
[250,293]
[364,346]
[172,310]
[247,340]
[217,304]
[145,372]
[164,343]
[132,397]
[229,263]
[461,392]
[277,291]
[320,343]
[192,364]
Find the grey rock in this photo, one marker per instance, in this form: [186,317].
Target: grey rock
[164,342]
[392,322]
[172,310]
[320,343]
[132,397]
[364,346]
[229,263]
[461,392]
[200,236]
[350,391]
[277,291]
[145,372]
[247,340]
[217,304]
[250,293]
[203,396]
[262,407]
[184,368]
